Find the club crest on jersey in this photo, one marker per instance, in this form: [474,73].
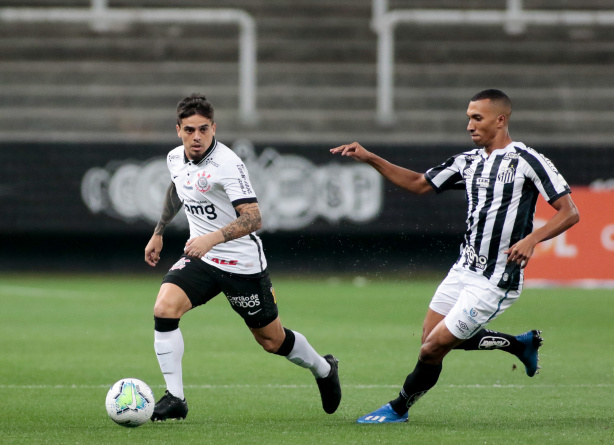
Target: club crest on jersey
[507,175]
[202,184]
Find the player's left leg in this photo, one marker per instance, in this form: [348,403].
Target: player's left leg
[437,345]
[274,338]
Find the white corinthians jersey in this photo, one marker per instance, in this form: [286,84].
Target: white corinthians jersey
[501,192]
[210,190]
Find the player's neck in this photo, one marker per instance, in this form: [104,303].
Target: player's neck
[497,144]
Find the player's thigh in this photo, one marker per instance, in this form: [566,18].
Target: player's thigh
[431,320]
[479,303]
[252,297]
[194,278]
[445,296]
[171,302]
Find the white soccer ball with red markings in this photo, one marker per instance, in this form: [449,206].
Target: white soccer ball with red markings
[130,402]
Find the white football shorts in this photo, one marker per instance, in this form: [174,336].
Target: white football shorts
[469,302]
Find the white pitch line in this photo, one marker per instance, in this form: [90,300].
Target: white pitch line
[494,386]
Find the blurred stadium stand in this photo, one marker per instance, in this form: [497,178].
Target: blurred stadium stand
[68,89]
[316,75]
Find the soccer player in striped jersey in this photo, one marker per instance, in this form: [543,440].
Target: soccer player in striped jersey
[502,181]
[223,255]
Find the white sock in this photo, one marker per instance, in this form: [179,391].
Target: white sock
[305,356]
[169,350]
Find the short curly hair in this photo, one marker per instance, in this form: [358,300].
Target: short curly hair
[194,104]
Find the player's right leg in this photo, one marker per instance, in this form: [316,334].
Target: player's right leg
[171,303]
[188,284]
[524,346]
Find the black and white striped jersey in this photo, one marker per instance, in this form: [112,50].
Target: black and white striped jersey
[210,190]
[501,191]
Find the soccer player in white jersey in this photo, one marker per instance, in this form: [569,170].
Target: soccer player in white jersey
[502,180]
[223,255]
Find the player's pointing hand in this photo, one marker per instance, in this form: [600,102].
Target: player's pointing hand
[353,150]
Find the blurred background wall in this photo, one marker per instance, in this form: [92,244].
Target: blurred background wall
[87,116]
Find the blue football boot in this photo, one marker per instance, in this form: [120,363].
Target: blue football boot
[529,356]
[383,415]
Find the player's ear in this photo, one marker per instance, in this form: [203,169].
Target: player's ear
[178,130]
[501,120]
[213,127]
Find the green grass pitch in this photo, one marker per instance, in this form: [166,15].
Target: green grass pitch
[65,339]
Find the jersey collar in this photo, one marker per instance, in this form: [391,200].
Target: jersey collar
[498,151]
[207,152]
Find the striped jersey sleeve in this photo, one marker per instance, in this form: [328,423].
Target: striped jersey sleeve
[544,175]
[450,174]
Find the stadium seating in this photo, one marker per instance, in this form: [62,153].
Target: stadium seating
[316,75]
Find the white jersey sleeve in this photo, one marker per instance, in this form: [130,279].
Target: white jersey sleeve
[235,180]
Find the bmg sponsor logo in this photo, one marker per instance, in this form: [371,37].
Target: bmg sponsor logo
[208,210]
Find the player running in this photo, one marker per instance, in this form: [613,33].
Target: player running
[223,254]
[502,180]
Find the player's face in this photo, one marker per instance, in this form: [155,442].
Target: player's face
[196,133]
[484,122]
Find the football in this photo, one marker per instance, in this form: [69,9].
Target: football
[130,402]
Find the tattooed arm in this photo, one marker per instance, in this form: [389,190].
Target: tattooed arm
[170,208]
[248,221]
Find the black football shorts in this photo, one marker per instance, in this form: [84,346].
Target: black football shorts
[251,296]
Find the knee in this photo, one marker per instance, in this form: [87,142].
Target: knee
[172,302]
[432,353]
[163,309]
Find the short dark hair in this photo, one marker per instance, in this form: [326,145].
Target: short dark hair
[495,96]
[194,104]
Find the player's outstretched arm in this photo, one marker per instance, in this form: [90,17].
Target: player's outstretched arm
[249,221]
[170,208]
[566,216]
[408,179]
